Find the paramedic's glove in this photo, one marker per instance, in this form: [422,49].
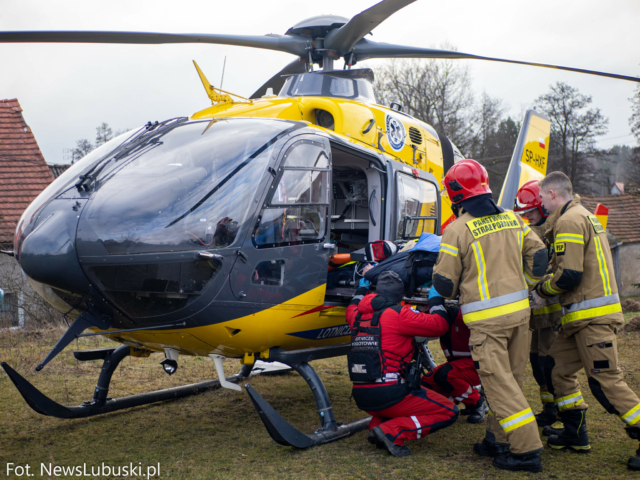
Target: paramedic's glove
[436,304]
[364,283]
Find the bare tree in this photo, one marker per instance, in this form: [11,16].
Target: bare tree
[103,134]
[574,128]
[83,147]
[634,120]
[487,119]
[437,92]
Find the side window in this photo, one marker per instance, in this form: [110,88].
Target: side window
[270,272]
[417,207]
[298,202]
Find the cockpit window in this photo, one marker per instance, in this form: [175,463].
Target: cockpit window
[326,85]
[190,189]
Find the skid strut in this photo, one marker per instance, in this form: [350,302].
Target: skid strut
[101,403]
[282,431]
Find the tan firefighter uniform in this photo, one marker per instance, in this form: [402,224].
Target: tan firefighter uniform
[544,324]
[483,259]
[583,277]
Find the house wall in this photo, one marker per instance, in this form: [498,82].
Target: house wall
[630,268]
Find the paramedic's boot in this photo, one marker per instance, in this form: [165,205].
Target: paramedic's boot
[373,440]
[547,416]
[574,435]
[526,462]
[477,413]
[489,447]
[634,462]
[386,442]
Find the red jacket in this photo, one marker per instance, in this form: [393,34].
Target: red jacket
[455,342]
[397,329]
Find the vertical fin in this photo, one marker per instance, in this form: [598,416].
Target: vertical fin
[530,157]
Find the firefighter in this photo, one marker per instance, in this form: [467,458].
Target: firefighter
[458,378]
[382,348]
[482,257]
[584,279]
[545,321]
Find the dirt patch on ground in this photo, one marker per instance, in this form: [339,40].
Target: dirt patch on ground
[632,325]
[629,305]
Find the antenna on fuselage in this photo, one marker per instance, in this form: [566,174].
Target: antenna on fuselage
[223,65]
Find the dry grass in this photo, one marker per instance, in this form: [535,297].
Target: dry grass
[219,434]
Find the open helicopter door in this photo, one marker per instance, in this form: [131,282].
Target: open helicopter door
[286,256]
[414,203]
[530,157]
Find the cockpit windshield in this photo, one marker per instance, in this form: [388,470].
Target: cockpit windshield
[351,84]
[192,188]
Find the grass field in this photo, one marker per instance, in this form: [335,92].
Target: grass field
[219,434]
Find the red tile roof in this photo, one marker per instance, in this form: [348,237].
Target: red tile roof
[23,170]
[624,214]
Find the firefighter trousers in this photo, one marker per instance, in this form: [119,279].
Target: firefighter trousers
[415,416]
[456,379]
[594,348]
[541,341]
[500,358]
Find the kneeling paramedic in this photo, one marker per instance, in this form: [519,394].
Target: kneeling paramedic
[482,256]
[545,321]
[583,276]
[386,383]
[458,378]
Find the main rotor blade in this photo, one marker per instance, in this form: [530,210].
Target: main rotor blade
[277,81]
[344,38]
[366,49]
[290,44]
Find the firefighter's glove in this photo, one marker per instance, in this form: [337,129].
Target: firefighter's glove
[436,304]
[364,283]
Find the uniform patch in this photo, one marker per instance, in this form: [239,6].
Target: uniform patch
[479,227]
[559,248]
[597,226]
[414,310]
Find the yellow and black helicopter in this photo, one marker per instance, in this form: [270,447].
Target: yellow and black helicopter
[211,235]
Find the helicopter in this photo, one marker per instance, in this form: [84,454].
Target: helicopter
[211,235]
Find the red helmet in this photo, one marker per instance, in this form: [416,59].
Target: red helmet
[466,179]
[528,198]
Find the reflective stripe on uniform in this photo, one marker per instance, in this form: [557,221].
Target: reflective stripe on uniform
[602,264]
[530,281]
[573,400]
[461,354]
[482,271]
[417,423]
[596,307]
[569,238]
[520,242]
[494,302]
[496,311]
[547,286]
[517,420]
[555,307]
[450,249]
[632,416]
[546,397]
[526,230]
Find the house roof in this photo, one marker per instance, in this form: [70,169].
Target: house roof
[624,214]
[57,170]
[23,170]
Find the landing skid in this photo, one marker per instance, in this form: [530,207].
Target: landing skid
[101,403]
[282,431]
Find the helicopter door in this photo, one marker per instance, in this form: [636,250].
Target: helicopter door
[286,258]
[415,207]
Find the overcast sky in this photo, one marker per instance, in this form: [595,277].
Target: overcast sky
[66,90]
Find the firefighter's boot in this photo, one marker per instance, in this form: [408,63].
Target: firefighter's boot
[547,416]
[386,442]
[477,413]
[574,435]
[634,462]
[489,447]
[548,431]
[517,462]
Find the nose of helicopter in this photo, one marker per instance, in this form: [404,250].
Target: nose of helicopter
[48,254]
